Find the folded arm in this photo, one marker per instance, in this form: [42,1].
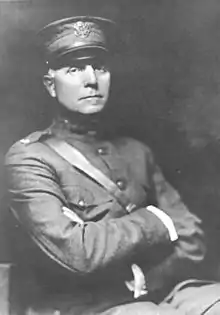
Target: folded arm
[37,201]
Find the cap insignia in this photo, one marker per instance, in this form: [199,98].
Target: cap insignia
[82,29]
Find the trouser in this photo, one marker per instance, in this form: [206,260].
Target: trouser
[191,297]
[138,308]
[142,308]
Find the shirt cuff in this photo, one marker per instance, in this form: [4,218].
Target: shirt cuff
[167,221]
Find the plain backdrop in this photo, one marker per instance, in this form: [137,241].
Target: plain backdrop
[165,90]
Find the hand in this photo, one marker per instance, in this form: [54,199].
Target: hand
[138,285]
[196,299]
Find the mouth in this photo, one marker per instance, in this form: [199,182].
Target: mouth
[88,97]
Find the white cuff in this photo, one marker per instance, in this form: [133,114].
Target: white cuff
[167,221]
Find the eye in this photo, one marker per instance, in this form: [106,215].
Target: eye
[72,70]
[101,67]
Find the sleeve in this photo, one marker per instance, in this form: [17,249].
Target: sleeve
[189,250]
[37,200]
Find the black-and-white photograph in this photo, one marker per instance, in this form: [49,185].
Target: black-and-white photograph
[109,157]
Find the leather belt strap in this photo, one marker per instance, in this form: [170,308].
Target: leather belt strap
[80,162]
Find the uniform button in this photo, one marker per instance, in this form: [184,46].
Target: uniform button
[81,203]
[101,151]
[121,184]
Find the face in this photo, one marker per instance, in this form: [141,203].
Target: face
[82,87]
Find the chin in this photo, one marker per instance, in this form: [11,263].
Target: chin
[92,110]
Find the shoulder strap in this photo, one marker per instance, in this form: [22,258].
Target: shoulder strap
[79,161]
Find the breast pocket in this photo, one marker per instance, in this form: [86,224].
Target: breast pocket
[90,204]
[79,196]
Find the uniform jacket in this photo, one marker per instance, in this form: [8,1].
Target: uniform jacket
[61,265]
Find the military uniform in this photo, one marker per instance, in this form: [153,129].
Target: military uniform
[88,264]
[81,267]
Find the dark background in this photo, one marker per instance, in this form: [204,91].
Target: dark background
[166,88]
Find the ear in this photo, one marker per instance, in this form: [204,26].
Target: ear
[48,81]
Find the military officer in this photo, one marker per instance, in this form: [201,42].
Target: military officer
[113,236]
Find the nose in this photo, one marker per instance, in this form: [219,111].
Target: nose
[90,76]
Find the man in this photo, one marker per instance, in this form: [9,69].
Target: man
[111,236]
